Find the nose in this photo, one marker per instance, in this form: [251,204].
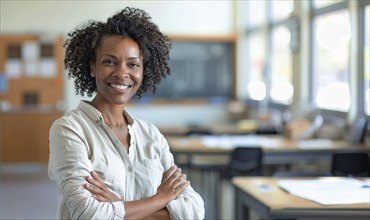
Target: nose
[122,71]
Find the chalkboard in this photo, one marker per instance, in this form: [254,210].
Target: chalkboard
[199,70]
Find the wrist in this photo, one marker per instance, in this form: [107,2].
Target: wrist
[161,199]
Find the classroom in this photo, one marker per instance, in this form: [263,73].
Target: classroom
[266,109]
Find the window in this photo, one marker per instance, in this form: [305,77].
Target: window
[269,62]
[281,9]
[331,47]
[281,66]
[257,13]
[322,46]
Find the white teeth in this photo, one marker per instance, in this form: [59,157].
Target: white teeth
[119,86]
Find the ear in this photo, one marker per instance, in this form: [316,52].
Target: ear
[92,70]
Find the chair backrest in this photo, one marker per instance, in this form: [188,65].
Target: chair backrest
[245,161]
[351,164]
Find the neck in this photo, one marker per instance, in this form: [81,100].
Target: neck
[112,114]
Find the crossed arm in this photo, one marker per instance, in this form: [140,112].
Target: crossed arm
[154,207]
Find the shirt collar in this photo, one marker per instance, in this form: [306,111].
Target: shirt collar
[96,116]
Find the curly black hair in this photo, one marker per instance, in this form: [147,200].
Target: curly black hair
[130,22]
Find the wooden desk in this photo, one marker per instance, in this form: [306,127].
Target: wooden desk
[278,150]
[233,129]
[276,203]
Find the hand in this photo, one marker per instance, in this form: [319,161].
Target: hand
[97,187]
[173,183]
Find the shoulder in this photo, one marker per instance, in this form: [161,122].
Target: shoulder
[72,119]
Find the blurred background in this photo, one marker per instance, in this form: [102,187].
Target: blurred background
[236,65]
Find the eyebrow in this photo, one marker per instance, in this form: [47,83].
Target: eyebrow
[134,58]
[113,56]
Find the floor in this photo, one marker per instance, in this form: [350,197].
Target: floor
[27,193]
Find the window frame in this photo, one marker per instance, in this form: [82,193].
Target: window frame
[360,62]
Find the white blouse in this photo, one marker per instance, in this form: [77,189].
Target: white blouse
[81,142]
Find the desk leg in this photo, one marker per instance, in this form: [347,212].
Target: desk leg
[211,186]
[244,203]
[241,210]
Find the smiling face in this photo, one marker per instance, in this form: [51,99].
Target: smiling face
[118,70]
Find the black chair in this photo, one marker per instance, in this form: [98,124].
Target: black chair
[351,164]
[244,161]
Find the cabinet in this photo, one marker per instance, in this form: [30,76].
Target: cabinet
[25,136]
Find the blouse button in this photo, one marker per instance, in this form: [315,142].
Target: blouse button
[130,169]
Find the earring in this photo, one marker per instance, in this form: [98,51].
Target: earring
[92,74]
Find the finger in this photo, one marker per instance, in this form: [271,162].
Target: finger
[182,187]
[177,174]
[173,178]
[180,180]
[94,182]
[100,198]
[90,180]
[93,189]
[169,173]
[96,176]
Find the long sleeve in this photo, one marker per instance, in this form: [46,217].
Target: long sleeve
[69,164]
[189,204]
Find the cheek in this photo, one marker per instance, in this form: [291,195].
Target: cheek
[139,78]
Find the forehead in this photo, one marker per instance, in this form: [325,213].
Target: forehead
[116,43]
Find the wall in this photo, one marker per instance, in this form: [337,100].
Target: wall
[52,18]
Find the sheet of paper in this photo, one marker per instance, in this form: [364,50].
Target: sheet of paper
[31,68]
[48,67]
[30,51]
[13,68]
[228,141]
[329,191]
[315,144]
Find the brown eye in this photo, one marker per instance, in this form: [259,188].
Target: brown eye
[134,65]
[108,62]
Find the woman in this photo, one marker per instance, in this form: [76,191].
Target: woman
[107,164]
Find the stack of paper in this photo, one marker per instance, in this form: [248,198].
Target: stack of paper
[329,191]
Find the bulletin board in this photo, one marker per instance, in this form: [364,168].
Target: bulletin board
[31,70]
